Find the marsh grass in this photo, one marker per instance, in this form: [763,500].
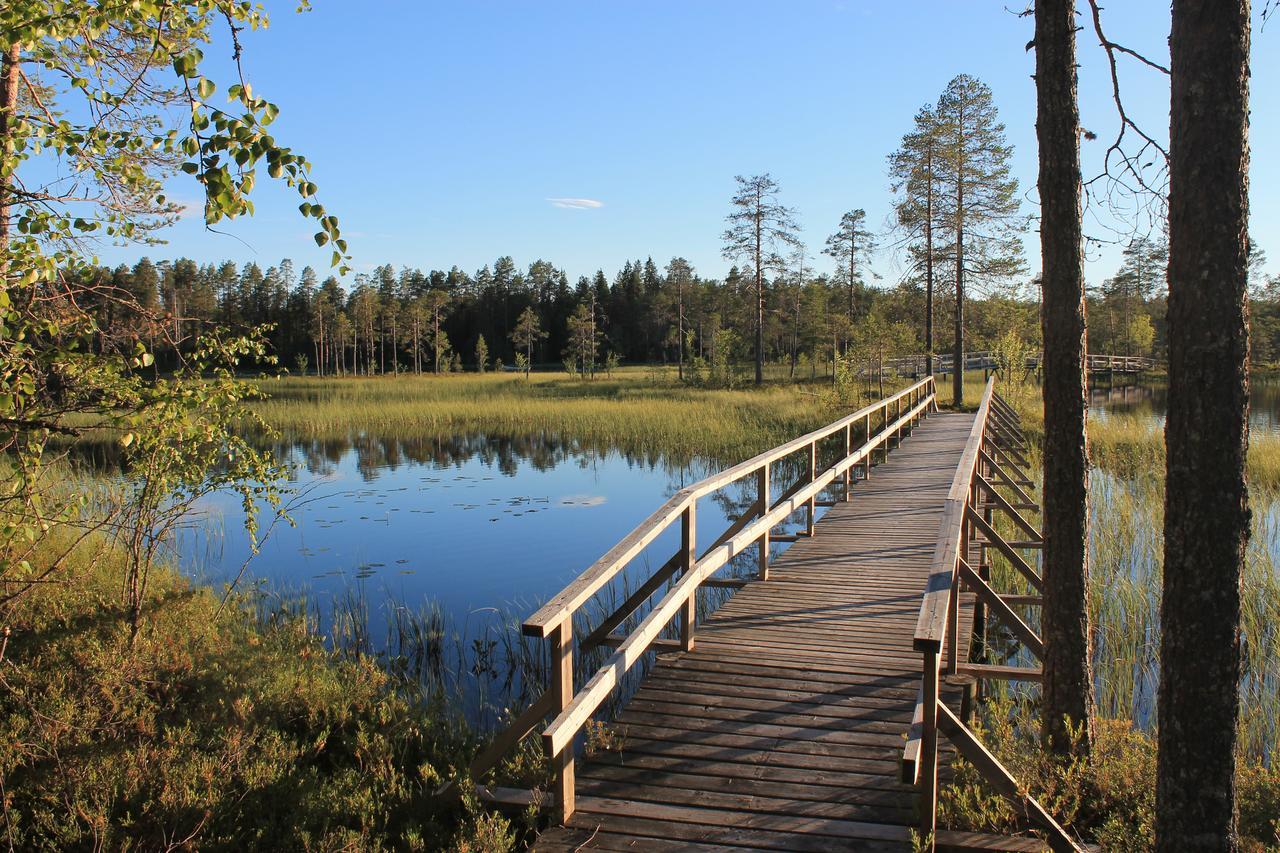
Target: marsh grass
[222,726]
[635,410]
[1109,800]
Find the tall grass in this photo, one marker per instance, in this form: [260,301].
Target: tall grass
[637,410]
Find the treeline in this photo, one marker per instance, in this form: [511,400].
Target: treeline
[410,320]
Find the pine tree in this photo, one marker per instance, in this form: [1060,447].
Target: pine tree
[1067,698]
[850,246]
[526,335]
[759,228]
[914,170]
[981,198]
[1207,514]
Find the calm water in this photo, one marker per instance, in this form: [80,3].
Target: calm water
[484,528]
[481,530]
[1151,401]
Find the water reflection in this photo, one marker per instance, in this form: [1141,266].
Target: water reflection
[1150,400]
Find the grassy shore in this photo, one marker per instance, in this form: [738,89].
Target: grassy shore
[218,729]
[637,410]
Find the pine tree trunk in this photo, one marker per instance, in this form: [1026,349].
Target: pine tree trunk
[1207,513]
[957,352]
[928,266]
[957,365]
[759,306]
[1067,692]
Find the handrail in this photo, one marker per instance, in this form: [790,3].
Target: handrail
[896,415]
[931,627]
[968,507]
[975,359]
[565,727]
[579,591]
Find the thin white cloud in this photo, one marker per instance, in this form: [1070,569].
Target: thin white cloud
[576,203]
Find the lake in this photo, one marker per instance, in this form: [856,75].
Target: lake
[471,534]
[475,531]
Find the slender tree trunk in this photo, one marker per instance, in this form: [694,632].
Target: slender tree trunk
[1206,525]
[1067,693]
[759,302]
[928,261]
[680,331]
[9,68]
[957,364]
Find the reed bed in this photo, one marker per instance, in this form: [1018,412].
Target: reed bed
[636,410]
[1126,497]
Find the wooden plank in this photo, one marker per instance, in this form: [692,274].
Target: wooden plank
[1004,673]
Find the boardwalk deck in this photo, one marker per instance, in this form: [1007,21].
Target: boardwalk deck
[783,728]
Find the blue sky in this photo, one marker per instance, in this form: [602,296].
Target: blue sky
[441,132]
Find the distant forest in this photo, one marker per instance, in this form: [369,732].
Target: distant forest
[409,320]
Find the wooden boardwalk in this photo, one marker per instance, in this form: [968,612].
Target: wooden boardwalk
[783,728]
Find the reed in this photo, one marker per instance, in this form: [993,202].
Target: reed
[635,411]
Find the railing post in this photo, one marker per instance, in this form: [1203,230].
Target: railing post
[929,750]
[866,460]
[762,507]
[813,475]
[953,602]
[848,451]
[562,694]
[688,559]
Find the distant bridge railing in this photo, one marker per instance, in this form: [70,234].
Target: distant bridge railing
[683,574]
[994,458]
[915,365]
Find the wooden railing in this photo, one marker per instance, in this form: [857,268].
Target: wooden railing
[683,574]
[990,360]
[994,458]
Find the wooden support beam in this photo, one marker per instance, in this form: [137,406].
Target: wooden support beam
[633,602]
[506,740]
[995,539]
[1002,503]
[1002,781]
[615,640]
[688,560]
[561,698]
[1008,465]
[1003,673]
[1000,474]
[726,583]
[1001,609]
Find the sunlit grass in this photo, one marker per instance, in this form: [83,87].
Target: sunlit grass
[636,410]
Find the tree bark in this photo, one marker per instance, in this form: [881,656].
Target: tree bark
[759,293]
[928,263]
[957,364]
[1207,512]
[1067,693]
[9,68]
